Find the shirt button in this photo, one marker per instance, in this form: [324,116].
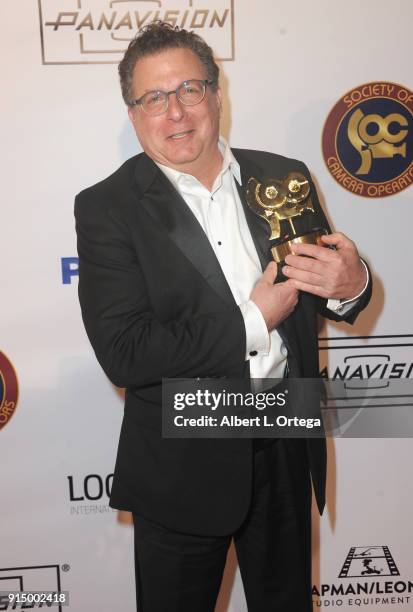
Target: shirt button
[283,349]
[253,353]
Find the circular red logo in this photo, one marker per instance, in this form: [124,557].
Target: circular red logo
[368,140]
[8,390]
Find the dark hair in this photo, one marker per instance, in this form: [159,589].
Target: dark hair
[156,37]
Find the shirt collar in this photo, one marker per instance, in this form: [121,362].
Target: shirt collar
[228,162]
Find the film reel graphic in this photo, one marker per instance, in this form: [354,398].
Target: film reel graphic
[369,561]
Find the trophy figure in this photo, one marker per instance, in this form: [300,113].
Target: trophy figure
[280,203]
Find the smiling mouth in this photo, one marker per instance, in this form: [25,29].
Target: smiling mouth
[180,135]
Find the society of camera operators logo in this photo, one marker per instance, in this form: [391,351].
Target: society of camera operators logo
[8,390]
[369,577]
[99,31]
[368,139]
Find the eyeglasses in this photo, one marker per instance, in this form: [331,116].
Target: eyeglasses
[189,93]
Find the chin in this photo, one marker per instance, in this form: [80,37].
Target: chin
[185,157]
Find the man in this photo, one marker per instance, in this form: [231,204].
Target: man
[175,281]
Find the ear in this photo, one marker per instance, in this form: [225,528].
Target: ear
[218,94]
[131,114]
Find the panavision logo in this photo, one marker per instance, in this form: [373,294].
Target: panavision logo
[99,31]
[369,385]
[369,577]
[8,390]
[368,140]
[358,358]
[32,578]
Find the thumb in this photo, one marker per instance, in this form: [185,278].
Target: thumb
[270,273]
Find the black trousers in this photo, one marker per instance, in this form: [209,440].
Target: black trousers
[177,572]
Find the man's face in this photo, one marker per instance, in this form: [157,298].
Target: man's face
[184,137]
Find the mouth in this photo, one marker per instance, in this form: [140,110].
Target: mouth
[180,135]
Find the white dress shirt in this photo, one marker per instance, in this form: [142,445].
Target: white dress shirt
[221,215]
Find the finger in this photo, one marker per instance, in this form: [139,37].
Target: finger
[304,276]
[270,272]
[288,287]
[309,288]
[306,263]
[313,250]
[337,239]
[289,283]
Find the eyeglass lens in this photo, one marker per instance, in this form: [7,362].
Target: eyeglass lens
[189,93]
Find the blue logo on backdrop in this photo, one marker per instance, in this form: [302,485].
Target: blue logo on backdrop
[368,139]
[70,268]
[375,142]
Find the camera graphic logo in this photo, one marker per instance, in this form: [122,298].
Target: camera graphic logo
[369,561]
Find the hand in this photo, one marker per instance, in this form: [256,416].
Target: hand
[328,273]
[275,302]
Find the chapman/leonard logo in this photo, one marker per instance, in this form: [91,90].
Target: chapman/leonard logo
[99,31]
[368,140]
[8,390]
[374,581]
[369,561]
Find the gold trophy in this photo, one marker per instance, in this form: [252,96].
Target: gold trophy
[280,203]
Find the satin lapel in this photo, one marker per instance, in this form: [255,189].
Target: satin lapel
[260,231]
[168,209]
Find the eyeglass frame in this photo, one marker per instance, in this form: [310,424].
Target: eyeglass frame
[138,101]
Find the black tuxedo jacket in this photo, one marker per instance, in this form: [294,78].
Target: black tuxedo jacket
[155,303]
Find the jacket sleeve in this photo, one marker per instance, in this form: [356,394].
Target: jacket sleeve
[133,347]
[351,315]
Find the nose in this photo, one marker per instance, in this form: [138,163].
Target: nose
[175,110]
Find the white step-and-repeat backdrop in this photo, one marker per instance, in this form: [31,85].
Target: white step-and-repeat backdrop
[326,82]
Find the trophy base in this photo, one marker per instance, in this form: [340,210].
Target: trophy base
[280,251]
